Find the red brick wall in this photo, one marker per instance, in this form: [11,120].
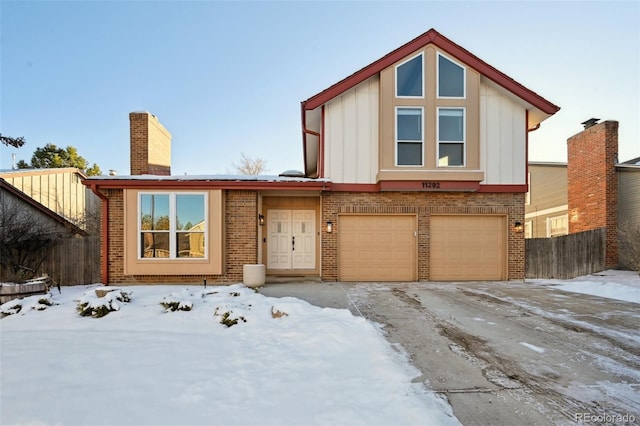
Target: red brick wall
[241,241]
[423,204]
[593,183]
[150,145]
[139,146]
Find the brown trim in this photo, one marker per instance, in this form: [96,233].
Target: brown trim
[448,46]
[104,237]
[304,139]
[503,188]
[42,208]
[321,145]
[208,184]
[355,187]
[526,148]
[429,186]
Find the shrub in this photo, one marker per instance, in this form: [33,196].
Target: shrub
[92,305]
[224,317]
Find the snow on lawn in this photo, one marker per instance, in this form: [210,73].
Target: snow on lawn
[612,284]
[215,356]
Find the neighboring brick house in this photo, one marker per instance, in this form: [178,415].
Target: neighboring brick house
[592,190]
[58,189]
[415,169]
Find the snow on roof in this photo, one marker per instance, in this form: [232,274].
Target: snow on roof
[225,178]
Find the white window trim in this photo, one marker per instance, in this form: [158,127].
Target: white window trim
[408,141]
[550,219]
[395,76]
[528,229]
[464,78]
[172,226]
[464,136]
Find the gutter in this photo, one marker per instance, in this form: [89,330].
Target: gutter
[104,229]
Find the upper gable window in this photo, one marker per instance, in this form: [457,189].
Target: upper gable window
[451,78]
[409,78]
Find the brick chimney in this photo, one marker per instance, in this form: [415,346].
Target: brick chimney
[593,183]
[150,145]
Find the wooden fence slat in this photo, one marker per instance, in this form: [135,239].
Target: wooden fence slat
[565,257]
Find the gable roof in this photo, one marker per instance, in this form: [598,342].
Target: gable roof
[46,211]
[451,48]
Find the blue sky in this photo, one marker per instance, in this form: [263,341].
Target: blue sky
[228,77]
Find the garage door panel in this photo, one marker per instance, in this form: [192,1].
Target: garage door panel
[468,248]
[377,248]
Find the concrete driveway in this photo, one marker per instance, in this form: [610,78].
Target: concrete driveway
[505,353]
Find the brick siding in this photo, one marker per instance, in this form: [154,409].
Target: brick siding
[241,241]
[593,183]
[423,205]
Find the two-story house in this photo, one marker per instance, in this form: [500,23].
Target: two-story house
[415,169]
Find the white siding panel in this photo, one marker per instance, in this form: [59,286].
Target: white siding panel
[502,138]
[351,135]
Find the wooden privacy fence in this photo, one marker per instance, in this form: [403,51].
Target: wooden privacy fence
[74,261]
[565,257]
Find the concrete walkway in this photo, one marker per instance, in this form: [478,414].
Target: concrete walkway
[504,353]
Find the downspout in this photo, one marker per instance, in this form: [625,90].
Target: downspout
[104,262]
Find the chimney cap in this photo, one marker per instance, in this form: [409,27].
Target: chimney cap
[590,122]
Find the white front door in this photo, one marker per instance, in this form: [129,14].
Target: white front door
[292,239]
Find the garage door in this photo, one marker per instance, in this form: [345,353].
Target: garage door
[466,248]
[377,247]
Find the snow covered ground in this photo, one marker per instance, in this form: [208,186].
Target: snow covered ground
[285,362]
[611,284]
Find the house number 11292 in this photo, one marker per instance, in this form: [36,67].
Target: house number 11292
[431,185]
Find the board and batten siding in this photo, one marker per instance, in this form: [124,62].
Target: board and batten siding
[351,135]
[60,190]
[502,138]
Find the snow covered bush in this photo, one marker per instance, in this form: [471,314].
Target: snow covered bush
[224,316]
[36,303]
[90,304]
[178,301]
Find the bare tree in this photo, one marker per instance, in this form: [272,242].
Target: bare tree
[249,166]
[14,142]
[629,245]
[25,239]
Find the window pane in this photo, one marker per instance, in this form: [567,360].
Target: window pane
[154,212]
[451,125]
[190,244]
[409,78]
[189,211]
[154,244]
[451,154]
[450,78]
[409,122]
[409,154]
